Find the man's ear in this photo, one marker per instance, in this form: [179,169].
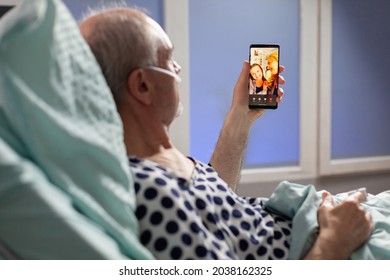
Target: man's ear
[139,85]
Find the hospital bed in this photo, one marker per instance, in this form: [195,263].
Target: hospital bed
[65,187]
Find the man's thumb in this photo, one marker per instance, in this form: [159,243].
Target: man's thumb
[243,78]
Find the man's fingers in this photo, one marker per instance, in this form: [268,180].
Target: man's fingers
[357,196]
[327,200]
[281,80]
[279,99]
[369,219]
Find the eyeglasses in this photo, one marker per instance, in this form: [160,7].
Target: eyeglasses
[175,75]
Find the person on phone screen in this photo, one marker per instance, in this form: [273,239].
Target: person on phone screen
[188,209]
[272,73]
[258,83]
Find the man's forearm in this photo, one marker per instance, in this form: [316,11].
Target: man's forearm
[229,151]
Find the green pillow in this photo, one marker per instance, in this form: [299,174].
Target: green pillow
[57,114]
[38,220]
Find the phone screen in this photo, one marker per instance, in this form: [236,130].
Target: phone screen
[263,76]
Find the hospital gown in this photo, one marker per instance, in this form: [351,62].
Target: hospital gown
[203,218]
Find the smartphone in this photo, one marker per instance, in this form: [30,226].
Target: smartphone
[263,76]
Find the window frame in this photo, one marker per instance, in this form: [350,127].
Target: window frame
[329,166]
[315,97]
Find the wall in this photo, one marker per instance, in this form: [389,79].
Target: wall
[154,8]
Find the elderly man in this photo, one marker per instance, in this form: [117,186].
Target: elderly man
[188,209]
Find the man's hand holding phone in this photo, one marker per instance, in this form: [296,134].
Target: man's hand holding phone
[240,96]
[229,151]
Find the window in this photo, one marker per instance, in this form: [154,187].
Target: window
[316,129]
[355,134]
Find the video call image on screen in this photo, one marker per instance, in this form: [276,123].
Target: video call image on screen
[263,75]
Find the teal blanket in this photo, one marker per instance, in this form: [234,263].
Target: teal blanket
[300,203]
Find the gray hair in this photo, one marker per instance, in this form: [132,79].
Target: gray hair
[121,41]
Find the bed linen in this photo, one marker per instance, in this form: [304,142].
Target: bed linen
[300,203]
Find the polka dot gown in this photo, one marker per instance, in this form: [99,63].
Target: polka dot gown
[203,218]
